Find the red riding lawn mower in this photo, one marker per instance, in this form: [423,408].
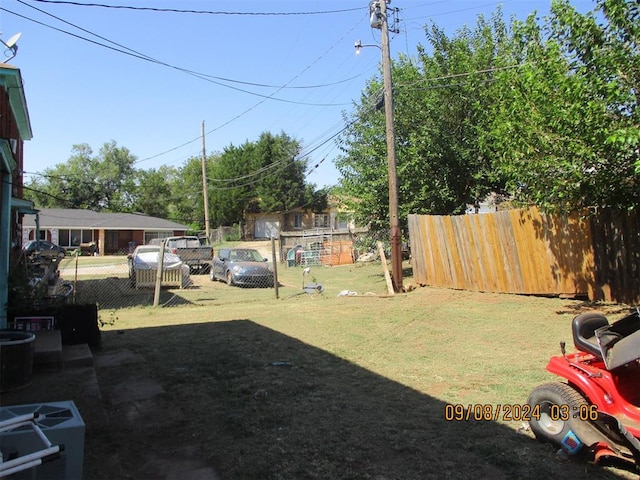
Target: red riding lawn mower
[597,410]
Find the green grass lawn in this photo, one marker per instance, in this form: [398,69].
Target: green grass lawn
[327,385]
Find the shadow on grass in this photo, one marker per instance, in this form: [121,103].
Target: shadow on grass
[256,404]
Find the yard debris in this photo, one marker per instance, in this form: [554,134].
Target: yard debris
[368,257]
[313,288]
[347,293]
[351,293]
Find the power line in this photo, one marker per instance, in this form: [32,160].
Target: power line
[475,7]
[201,12]
[260,171]
[253,107]
[203,76]
[230,80]
[456,75]
[128,51]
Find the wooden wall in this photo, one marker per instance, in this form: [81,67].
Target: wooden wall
[527,252]
[616,243]
[514,251]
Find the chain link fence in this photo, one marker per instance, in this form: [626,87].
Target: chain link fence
[111,282]
[41,283]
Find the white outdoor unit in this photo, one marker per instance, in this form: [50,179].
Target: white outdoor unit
[62,424]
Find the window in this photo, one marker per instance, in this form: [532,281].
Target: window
[76,235]
[341,222]
[73,238]
[321,220]
[63,238]
[297,220]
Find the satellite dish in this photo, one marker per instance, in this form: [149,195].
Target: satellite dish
[12,45]
[13,40]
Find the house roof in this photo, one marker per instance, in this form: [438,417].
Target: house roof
[11,80]
[88,219]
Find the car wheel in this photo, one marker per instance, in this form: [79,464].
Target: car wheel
[558,405]
[230,279]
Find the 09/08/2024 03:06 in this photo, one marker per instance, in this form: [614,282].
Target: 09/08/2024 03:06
[518,412]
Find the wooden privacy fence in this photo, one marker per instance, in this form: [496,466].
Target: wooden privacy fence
[527,252]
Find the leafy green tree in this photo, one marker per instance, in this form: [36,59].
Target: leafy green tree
[187,194]
[565,129]
[102,182]
[262,176]
[441,99]
[283,188]
[152,194]
[231,184]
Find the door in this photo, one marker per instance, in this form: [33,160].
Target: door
[218,263]
[267,228]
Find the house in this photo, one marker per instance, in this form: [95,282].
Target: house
[268,225]
[104,233]
[326,237]
[15,128]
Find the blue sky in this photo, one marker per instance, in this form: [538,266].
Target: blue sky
[250,73]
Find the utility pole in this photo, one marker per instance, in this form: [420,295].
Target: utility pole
[205,195]
[395,235]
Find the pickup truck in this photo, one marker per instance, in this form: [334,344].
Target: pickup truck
[190,251]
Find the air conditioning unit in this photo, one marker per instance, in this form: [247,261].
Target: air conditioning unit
[62,424]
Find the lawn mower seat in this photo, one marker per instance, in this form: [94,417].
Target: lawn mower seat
[584,328]
[620,341]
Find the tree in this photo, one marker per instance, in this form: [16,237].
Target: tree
[187,194]
[284,187]
[152,194]
[262,176]
[230,185]
[565,131]
[441,99]
[102,182]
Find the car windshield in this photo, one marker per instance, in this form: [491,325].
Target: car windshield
[246,255]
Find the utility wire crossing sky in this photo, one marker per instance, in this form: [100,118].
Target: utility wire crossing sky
[147,73]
